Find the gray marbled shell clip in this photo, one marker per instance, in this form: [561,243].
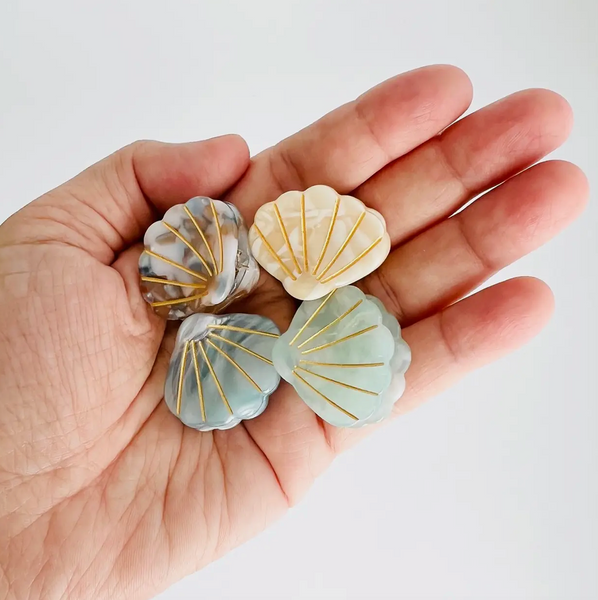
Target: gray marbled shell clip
[197,259]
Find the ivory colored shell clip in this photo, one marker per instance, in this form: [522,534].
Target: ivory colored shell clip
[316,241]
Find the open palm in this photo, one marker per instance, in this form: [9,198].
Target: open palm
[103,493]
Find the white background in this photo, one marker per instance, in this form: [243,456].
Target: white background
[489,491]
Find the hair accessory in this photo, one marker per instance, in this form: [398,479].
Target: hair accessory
[345,357]
[221,370]
[316,241]
[196,259]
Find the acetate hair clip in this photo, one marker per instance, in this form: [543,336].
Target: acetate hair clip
[343,352]
[345,357]
[221,370]
[196,259]
[316,241]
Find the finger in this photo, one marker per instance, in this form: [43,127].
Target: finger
[464,337]
[169,174]
[473,333]
[455,256]
[107,207]
[471,156]
[144,316]
[350,144]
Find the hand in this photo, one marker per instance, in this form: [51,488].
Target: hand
[104,494]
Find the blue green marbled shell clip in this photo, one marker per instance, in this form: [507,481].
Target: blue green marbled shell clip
[343,354]
[221,370]
[345,357]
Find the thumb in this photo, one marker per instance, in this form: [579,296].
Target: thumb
[108,206]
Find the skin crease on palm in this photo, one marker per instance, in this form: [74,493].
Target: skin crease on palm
[103,493]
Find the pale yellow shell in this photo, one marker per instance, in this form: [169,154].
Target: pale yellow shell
[317,240]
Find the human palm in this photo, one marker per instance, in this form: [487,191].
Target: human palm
[104,493]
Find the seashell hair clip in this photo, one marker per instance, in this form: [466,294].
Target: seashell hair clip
[221,371]
[196,259]
[345,357]
[316,241]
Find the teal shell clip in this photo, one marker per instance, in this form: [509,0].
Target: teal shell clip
[221,370]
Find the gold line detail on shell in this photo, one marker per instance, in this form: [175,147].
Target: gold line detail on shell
[215,377]
[189,245]
[202,404]
[342,365]
[343,339]
[341,383]
[331,402]
[283,230]
[174,301]
[331,324]
[227,341]
[304,235]
[343,245]
[312,317]
[175,264]
[203,237]
[243,330]
[273,253]
[235,364]
[353,262]
[173,282]
[328,236]
[220,246]
[181,378]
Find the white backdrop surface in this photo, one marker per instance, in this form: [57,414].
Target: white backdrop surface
[491,490]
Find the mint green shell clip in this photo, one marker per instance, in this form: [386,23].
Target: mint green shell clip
[345,357]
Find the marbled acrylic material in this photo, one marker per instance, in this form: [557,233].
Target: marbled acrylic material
[196,259]
[316,241]
[221,370]
[345,357]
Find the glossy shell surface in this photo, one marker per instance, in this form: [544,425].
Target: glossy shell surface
[345,357]
[196,259]
[221,370]
[316,241]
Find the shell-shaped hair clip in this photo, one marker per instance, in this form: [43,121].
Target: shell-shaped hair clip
[316,241]
[196,259]
[221,370]
[345,357]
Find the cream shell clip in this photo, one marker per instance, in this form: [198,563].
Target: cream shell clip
[316,241]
